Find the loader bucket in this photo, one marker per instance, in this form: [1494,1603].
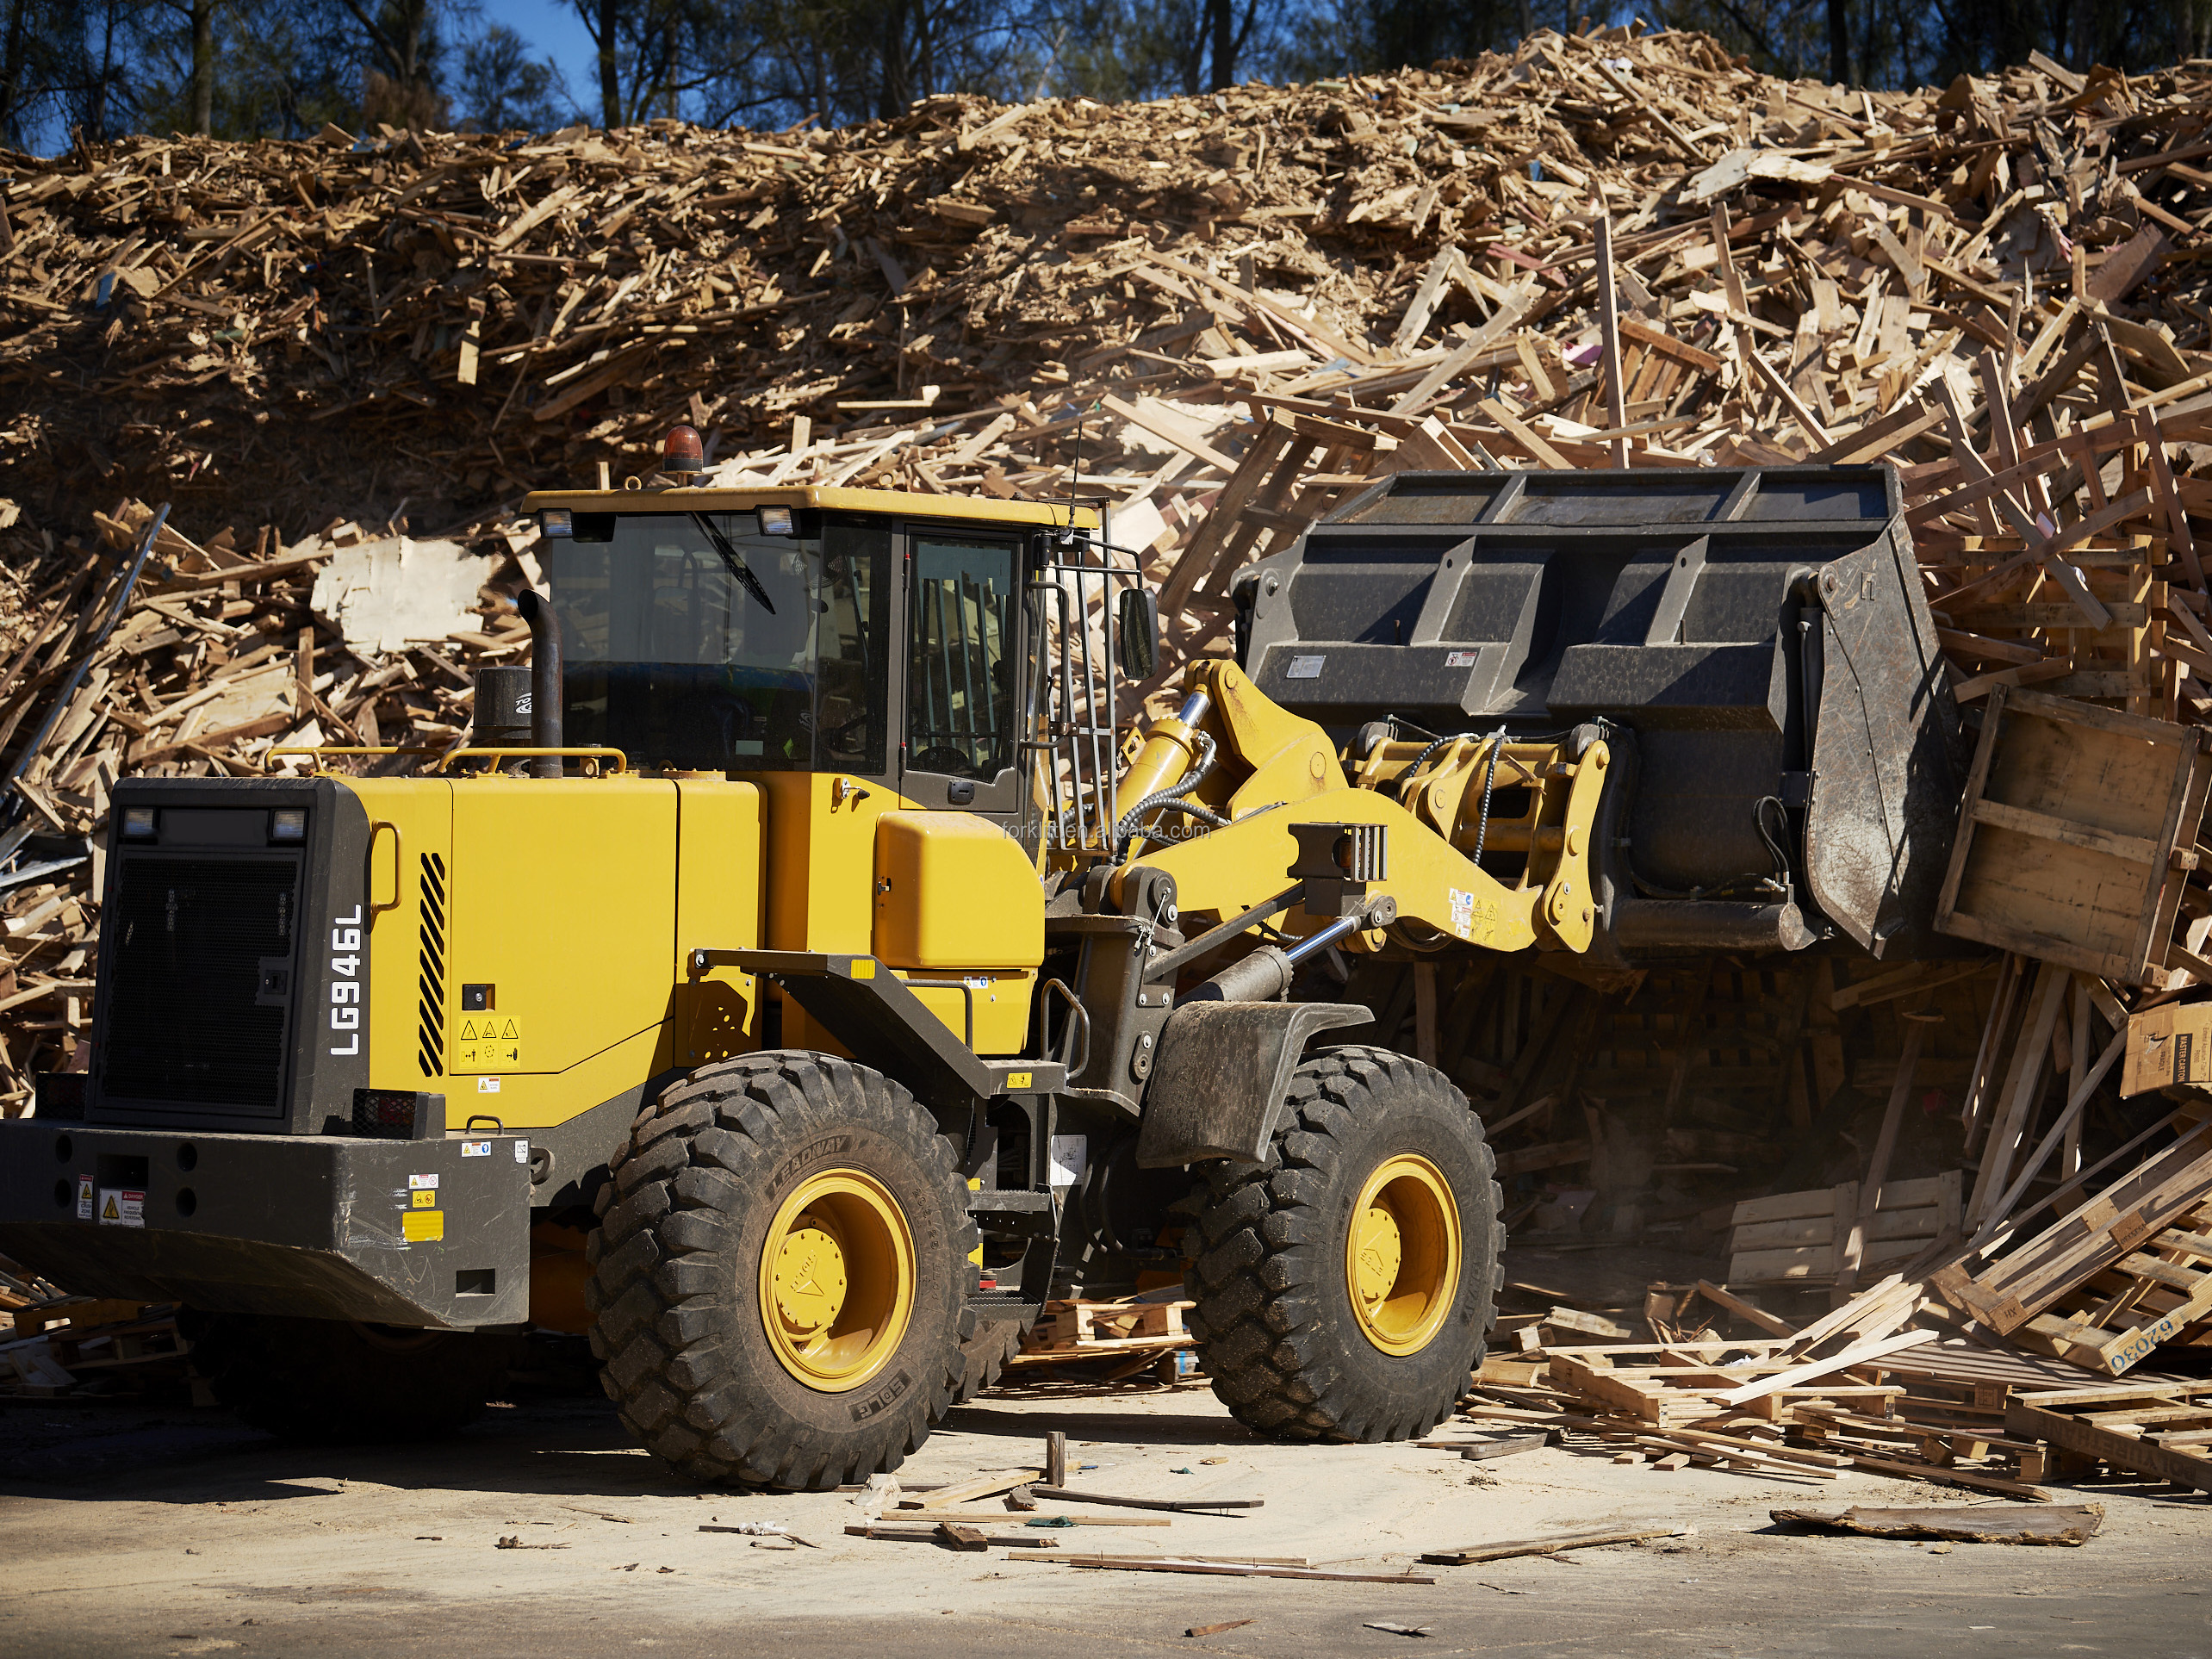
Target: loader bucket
[1757,637]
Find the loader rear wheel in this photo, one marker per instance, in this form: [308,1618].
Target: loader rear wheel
[780,1276]
[1347,1285]
[995,1342]
[334,1380]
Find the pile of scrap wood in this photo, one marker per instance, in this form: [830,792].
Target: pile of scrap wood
[1602,247]
[53,1344]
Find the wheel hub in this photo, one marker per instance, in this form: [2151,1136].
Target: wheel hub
[838,1280]
[1402,1254]
[1379,1249]
[810,1277]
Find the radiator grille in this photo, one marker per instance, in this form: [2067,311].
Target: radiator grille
[431,985]
[197,1011]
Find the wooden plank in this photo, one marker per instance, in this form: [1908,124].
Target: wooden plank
[1609,335]
[1858,1354]
[2134,849]
[1467,1555]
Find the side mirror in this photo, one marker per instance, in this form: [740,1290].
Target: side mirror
[1136,628]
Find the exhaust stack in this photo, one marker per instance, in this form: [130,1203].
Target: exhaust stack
[545,680]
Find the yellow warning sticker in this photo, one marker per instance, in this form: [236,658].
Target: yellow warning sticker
[1017,1080]
[422,1226]
[424,1199]
[488,1042]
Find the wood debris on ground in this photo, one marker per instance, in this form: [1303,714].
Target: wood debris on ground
[53,1344]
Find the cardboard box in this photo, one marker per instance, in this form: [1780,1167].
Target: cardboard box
[2167,1046]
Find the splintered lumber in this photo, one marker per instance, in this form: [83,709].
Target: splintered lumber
[2073,1524]
[1467,1555]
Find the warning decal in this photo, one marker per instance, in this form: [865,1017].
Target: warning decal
[488,1042]
[422,1226]
[121,1207]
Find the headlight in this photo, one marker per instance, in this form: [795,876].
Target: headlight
[289,824]
[557,521]
[138,823]
[775,521]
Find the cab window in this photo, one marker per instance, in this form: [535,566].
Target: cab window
[695,642]
[961,630]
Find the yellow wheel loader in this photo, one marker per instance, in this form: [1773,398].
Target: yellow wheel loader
[804,973]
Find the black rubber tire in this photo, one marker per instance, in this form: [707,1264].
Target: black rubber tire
[676,1325]
[1274,1321]
[995,1342]
[332,1382]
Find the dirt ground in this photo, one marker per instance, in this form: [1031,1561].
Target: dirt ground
[127,1530]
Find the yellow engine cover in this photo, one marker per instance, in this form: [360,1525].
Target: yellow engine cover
[954,892]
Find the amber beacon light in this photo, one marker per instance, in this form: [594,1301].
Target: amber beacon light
[682,455]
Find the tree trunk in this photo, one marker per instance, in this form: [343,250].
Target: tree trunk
[203,66]
[1839,42]
[892,94]
[12,67]
[1223,14]
[95,114]
[610,68]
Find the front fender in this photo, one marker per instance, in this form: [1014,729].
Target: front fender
[1220,1076]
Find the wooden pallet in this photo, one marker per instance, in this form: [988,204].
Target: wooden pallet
[132,1343]
[2094,1238]
[1792,1238]
[2067,838]
[1681,1384]
[2160,1429]
[2158,1294]
[1137,1331]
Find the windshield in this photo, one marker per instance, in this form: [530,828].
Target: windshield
[693,642]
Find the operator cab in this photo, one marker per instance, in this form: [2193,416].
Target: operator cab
[800,630]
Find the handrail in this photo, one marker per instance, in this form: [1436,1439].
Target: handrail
[270,754]
[376,827]
[523,751]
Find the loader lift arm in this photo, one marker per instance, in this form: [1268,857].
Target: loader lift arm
[1436,806]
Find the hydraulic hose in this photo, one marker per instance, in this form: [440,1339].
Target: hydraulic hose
[1172,797]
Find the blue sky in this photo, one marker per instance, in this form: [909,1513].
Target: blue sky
[553,30]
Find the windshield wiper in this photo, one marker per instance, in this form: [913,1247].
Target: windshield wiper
[750,583]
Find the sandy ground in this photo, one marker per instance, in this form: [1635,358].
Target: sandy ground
[129,1531]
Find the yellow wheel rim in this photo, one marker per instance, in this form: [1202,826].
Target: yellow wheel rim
[1402,1257]
[838,1280]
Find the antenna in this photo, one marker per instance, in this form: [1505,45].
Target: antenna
[1075,469]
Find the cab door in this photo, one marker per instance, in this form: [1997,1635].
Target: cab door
[961,654]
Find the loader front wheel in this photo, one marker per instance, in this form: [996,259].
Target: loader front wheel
[995,1342]
[1346,1286]
[780,1276]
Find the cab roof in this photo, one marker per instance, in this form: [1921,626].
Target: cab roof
[900,503]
